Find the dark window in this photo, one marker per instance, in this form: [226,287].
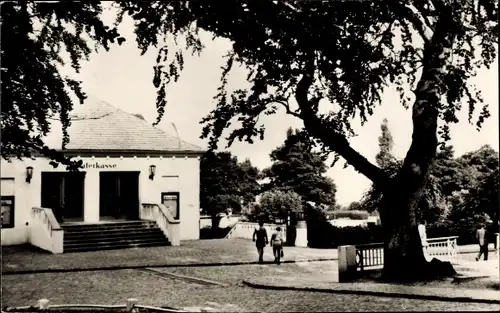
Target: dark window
[171,201]
[7,211]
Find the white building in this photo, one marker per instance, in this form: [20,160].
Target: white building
[127,163]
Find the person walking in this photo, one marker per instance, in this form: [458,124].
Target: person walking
[277,244]
[482,239]
[260,239]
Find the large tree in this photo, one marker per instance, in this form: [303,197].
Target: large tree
[297,167]
[297,52]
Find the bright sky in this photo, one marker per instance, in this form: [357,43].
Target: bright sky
[124,79]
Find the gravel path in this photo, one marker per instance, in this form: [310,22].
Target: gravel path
[113,287]
[26,258]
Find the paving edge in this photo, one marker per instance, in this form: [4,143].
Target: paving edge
[125,267]
[373,293]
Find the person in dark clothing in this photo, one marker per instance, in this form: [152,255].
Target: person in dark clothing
[482,238]
[260,239]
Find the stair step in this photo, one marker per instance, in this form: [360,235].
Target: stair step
[115,246]
[110,232]
[116,238]
[114,235]
[122,225]
[105,241]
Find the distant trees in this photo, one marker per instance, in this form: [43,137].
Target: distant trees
[225,183]
[457,188]
[297,167]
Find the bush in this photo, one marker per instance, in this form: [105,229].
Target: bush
[465,230]
[353,215]
[217,233]
[322,234]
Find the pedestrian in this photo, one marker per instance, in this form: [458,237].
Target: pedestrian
[483,242]
[277,244]
[260,239]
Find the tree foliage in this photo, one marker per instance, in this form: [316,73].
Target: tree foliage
[297,167]
[432,204]
[350,46]
[276,203]
[34,91]
[225,183]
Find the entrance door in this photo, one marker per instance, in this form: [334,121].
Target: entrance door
[119,195]
[64,194]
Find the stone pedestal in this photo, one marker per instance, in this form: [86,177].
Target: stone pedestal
[347,263]
[301,239]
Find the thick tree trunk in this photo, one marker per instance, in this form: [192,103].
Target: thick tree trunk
[403,254]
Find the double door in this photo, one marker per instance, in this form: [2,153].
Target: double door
[119,195]
[63,192]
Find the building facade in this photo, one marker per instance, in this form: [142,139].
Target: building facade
[126,163]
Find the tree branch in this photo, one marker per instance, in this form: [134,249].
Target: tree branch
[335,141]
[410,12]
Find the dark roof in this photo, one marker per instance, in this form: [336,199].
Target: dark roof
[99,126]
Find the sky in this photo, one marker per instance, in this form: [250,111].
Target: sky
[123,78]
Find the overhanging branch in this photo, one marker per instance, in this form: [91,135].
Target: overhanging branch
[413,15]
[335,141]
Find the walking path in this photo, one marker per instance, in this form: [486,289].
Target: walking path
[325,283]
[216,252]
[224,252]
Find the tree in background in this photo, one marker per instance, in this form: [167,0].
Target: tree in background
[297,52]
[276,203]
[249,182]
[475,189]
[432,204]
[296,167]
[225,183]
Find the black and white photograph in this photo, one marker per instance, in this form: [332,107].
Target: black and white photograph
[249,156]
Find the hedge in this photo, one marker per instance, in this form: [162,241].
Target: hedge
[325,235]
[353,215]
[217,233]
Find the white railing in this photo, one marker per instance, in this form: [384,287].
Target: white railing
[162,216]
[371,256]
[245,230]
[45,232]
[442,248]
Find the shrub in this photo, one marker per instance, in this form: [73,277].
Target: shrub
[322,234]
[464,229]
[353,215]
[217,233]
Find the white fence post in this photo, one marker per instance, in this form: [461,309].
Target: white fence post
[43,304]
[131,302]
[347,263]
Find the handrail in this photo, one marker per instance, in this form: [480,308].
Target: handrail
[163,209]
[53,224]
[233,229]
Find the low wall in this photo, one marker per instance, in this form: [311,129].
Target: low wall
[245,230]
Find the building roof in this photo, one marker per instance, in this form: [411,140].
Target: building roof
[97,126]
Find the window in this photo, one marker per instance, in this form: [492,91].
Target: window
[171,201]
[7,215]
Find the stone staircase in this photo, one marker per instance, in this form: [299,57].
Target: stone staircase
[112,235]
